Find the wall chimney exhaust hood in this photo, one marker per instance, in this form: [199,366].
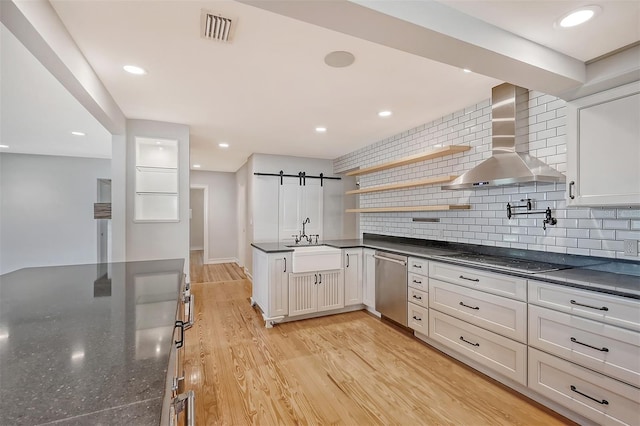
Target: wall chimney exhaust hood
[506,166]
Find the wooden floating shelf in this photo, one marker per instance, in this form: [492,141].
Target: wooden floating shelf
[401,185]
[410,208]
[427,155]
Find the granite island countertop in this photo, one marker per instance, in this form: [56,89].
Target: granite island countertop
[601,274]
[87,344]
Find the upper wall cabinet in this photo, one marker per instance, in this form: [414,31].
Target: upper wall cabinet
[603,148]
[156,196]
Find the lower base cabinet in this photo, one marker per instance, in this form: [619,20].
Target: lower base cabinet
[505,356]
[311,292]
[590,394]
[418,318]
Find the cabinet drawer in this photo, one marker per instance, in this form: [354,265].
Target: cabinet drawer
[418,281]
[502,355]
[418,318]
[504,316]
[418,266]
[590,394]
[502,285]
[611,350]
[615,310]
[418,297]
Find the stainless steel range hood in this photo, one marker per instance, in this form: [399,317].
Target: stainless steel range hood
[506,166]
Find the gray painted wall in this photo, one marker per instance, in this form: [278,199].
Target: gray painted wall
[161,240]
[46,210]
[223,219]
[196,226]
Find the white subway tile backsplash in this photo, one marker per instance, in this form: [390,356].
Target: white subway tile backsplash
[584,231]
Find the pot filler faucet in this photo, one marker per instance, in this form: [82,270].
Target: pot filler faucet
[303,234]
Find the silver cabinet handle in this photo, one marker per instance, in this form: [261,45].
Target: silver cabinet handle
[417,318]
[186,402]
[417,281]
[387,259]
[347,260]
[417,266]
[285,264]
[417,297]
[191,320]
[316,278]
[320,282]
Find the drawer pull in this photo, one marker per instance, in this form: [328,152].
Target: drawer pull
[475,280]
[416,318]
[180,342]
[417,266]
[574,340]
[417,281]
[417,297]
[470,307]
[604,308]
[466,341]
[603,401]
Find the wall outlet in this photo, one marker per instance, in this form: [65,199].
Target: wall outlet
[630,247]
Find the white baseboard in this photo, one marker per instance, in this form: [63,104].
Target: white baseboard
[196,248]
[222,260]
[249,276]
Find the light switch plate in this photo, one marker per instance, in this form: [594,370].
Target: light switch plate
[631,247]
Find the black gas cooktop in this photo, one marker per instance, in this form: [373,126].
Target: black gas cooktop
[505,263]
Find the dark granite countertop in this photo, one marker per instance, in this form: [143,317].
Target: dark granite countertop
[87,344]
[601,274]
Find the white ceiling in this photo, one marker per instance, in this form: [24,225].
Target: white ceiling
[38,113]
[269,88]
[616,26]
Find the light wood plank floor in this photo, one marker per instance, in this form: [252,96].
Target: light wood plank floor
[200,272]
[349,369]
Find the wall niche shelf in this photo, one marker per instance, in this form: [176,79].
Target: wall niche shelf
[427,155]
[402,185]
[410,208]
[156,195]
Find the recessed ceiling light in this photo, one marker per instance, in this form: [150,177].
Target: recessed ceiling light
[384,113]
[4,146]
[321,129]
[578,16]
[132,69]
[223,145]
[77,133]
[196,166]
[466,70]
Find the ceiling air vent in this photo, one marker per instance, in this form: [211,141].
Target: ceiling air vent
[216,26]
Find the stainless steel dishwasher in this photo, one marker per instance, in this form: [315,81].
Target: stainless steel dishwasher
[391,286]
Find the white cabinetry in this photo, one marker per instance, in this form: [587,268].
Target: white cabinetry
[319,291]
[270,290]
[591,346]
[481,315]
[156,187]
[418,295]
[369,278]
[298,202]
[603,148]
[352,262]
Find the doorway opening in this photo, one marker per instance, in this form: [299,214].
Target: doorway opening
[198,223]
